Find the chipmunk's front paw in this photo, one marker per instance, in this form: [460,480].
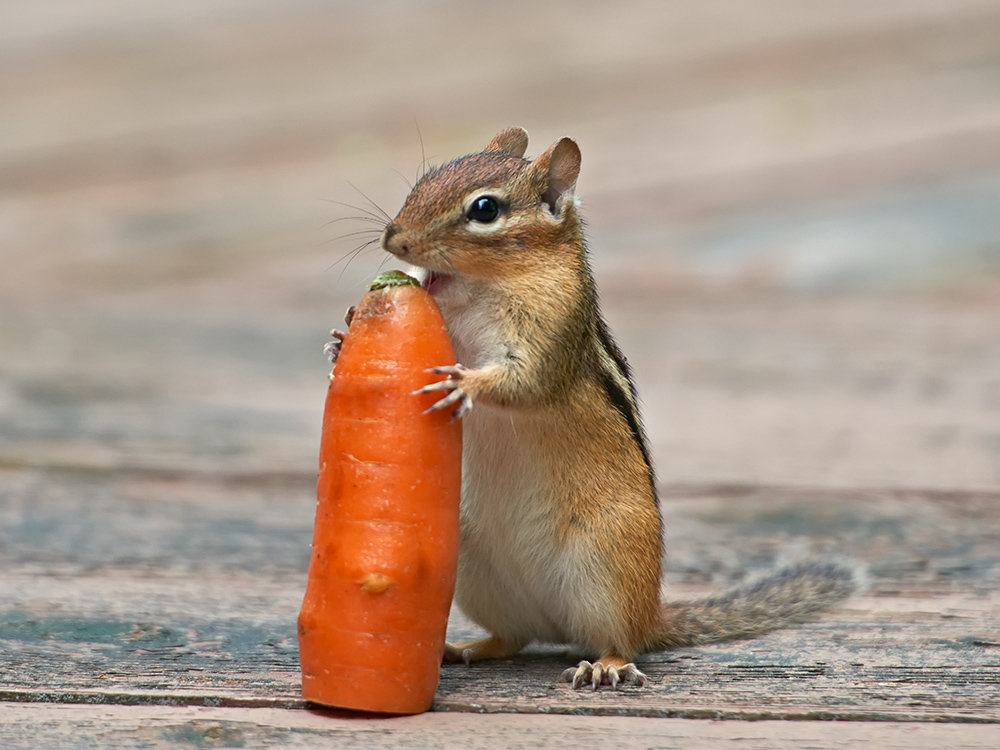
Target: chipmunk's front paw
[597,673]
[332,349]
[452,385]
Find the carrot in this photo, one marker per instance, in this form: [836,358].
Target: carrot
[385,543]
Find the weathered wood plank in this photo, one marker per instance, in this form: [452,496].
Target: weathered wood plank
[848,667]
[836,391]
[23,726]
[145,590]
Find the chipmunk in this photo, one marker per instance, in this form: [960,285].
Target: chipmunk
[561,533]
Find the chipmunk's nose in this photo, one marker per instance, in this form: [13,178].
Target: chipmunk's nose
[393,241]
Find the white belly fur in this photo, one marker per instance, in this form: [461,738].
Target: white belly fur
[509,571]
[515,578]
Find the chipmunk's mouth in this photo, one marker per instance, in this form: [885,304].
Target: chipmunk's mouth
[435,281]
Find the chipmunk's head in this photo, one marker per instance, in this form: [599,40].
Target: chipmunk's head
[490,215]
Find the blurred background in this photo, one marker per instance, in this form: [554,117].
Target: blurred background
[793,209]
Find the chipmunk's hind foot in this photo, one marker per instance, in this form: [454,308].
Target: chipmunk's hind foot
[610,672]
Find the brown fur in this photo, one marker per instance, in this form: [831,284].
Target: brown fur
[561,530]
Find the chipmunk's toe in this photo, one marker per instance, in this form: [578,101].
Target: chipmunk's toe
[595,674]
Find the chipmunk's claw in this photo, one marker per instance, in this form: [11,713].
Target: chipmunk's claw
[597,674]
[455,395]
[453,655]
[332,348]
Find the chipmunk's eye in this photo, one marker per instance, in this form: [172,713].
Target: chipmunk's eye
[485,209]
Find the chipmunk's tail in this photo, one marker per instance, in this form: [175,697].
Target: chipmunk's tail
[790,595]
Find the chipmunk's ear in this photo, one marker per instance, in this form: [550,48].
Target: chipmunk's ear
[560,166]
[512,141]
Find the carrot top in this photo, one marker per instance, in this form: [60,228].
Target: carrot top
[392,278]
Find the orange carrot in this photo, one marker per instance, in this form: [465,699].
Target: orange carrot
[385,543]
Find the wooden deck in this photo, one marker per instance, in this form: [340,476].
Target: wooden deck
[793,221]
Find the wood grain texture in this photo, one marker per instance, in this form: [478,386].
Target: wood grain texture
[138,590]
[156,727]
[792,217]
